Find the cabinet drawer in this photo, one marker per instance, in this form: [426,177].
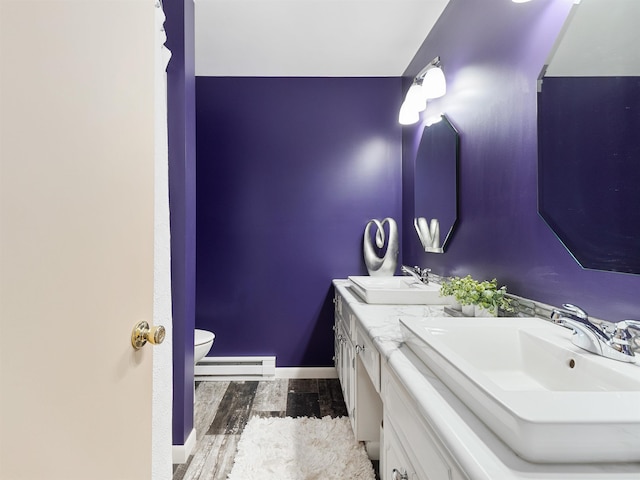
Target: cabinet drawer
[369,356]
[344,314]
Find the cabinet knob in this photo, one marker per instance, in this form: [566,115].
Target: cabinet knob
[359,348]
[397,475]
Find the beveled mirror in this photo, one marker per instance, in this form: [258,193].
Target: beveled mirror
[589,136]
[436,185]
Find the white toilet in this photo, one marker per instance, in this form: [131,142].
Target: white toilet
[203,341]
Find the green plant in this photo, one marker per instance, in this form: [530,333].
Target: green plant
[485,294]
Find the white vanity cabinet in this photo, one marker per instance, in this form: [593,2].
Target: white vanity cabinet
[358,365]
[411,449]
[407,446]
[422,429]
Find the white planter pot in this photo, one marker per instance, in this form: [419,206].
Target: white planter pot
[468,310]
[454,304]
[483,312]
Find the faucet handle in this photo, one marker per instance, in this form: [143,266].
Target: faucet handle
[628,342]
[575,310]
[424,275]
[635,324]
[634,342]
[622,329]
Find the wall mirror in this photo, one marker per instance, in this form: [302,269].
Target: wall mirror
[436,185]
[589,136]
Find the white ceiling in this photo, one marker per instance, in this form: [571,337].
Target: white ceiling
[302,38]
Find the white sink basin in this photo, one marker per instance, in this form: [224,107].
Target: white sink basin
[545,398]
[403,290]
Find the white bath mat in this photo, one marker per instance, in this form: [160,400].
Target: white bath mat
[300,449]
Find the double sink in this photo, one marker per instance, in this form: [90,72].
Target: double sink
[548,400]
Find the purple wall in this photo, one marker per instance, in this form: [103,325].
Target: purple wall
[289,171]
[181,129]
[492,53]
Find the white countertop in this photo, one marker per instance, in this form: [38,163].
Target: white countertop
[479,452]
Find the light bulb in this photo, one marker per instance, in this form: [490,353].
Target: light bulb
[415,97]
[434,84]
[408,114]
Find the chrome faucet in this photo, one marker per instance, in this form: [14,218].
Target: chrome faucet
[607,339]
[420,274]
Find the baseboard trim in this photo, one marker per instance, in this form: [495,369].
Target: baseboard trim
[306,372]
[235,368]
[254,368]
[180,453]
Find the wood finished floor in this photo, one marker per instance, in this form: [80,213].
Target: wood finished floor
[222,409]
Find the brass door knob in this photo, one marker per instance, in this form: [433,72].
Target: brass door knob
[143,333]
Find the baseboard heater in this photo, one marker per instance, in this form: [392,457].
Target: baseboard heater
[247,368]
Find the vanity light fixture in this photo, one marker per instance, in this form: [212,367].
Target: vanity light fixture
[428,83]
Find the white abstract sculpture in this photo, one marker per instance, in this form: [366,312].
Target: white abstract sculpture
[385,266]
[429,234]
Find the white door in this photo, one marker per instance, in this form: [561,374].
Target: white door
[76,238]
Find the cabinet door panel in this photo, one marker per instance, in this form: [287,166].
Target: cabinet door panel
[420,442]
[393,457]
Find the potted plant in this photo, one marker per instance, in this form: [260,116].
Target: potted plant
[472,293]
